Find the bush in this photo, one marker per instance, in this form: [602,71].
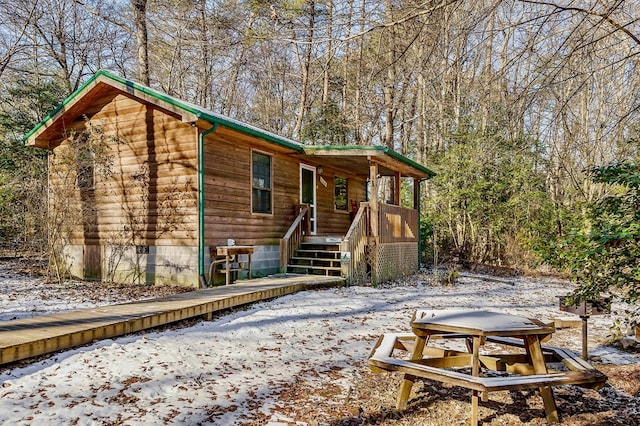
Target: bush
[605,255]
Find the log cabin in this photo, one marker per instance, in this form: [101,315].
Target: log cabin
[145,188]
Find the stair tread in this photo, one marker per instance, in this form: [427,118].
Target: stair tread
[317,257]
[332,255]
[322,259]
[330,268]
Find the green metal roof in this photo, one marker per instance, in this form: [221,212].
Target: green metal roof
[378,148]
[214,118]
[199,112]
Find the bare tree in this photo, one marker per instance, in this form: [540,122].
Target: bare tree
[304,55]
[556,78]
[140,22]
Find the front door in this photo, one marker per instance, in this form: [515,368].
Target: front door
[308,193]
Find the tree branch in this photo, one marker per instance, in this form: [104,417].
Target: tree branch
[103,16]
[605,16]
[407,17]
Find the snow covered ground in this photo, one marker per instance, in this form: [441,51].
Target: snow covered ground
[24,296]
[230,370]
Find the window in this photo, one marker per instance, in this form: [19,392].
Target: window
[261,183]
[340,193]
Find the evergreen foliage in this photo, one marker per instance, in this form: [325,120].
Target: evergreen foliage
[23,170]
[489,202]
[606,253]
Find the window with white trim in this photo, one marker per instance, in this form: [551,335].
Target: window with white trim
[261,185]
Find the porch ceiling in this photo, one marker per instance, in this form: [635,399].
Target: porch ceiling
[356,160]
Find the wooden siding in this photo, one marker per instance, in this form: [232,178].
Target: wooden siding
[330,220]
[228,193]
[150,195]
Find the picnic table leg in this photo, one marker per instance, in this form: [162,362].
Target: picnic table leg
[539,367]
[475,371]
[408,379]
[226,270]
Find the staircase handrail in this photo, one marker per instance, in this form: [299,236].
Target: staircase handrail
[362,210]
[293,237]
[354,243]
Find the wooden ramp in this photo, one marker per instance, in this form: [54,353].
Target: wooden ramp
[26,338]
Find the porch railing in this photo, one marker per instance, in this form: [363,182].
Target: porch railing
[293,238]
[397,224]
[354,245]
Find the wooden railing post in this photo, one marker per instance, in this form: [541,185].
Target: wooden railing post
[373,178]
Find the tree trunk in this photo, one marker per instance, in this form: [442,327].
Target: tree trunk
[328,55]
[358,138]
[205,80]
[389,85]
[303,107]
[140,21]
[233,85]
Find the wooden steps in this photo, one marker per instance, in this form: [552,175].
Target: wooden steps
[317,256]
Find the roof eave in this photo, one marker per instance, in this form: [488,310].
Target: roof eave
[371,151]
[188,112]
[30,139]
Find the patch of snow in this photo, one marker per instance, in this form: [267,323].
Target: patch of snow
[228,371]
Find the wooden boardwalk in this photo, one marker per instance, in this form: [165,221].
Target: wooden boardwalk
[29,337]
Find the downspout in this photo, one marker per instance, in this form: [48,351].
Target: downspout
[203,279]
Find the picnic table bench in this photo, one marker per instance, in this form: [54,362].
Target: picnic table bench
[521,371]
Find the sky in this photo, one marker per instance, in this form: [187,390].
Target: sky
[231,369]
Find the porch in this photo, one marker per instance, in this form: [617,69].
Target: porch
[369,252]
[383,239]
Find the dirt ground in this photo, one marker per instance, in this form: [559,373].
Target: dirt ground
[371,397]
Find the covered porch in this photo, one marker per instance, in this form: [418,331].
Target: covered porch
[383,239]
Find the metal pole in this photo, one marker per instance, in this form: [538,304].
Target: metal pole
[585,350]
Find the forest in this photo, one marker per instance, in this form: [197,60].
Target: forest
[528,110]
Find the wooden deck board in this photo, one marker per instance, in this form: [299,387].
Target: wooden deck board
[28,337]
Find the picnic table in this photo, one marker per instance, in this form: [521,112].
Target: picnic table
[525,368]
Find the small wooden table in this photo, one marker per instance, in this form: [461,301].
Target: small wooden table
[478,325]
[232,252]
